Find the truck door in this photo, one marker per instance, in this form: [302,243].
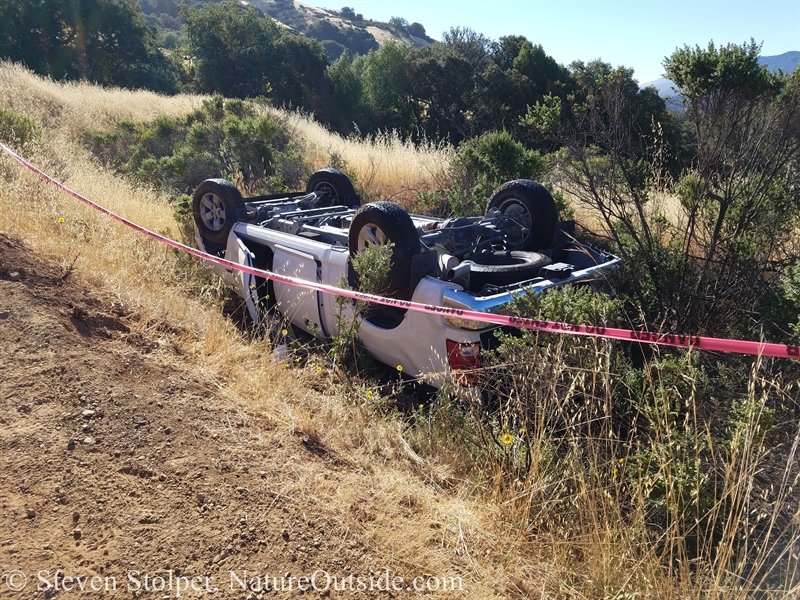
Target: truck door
[299,305]
[244,283]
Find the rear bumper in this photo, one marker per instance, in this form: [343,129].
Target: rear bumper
[501,301]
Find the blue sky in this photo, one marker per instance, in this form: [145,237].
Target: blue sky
[633,33]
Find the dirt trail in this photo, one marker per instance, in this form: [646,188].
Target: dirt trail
[117,456]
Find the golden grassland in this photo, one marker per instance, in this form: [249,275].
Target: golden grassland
[562,531]
[385,166]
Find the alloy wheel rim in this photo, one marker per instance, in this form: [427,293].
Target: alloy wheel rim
[212,212]
[370,235]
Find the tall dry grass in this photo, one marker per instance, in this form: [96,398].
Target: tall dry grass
[70,109]
[661,203]
[653,498]
[384,166]
[435,493]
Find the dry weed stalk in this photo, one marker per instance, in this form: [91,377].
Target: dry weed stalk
[658,505]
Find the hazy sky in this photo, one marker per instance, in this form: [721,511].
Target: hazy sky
[633,33]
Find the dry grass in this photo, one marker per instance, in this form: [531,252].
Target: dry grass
[660,203]
[69,109]
[664,507]
[385,167]
[564,529]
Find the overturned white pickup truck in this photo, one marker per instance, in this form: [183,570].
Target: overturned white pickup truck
[475,263]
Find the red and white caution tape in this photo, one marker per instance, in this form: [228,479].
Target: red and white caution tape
[628,335]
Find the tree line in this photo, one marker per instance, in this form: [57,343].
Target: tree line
[454,90]
[104,41]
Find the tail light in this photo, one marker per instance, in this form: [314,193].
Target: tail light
[465,358]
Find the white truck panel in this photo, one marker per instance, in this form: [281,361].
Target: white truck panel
[401,345]
[299,305]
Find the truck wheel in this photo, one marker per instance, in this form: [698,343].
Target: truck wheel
[386,223]
[337,185]
[217,206]
[530,204]
[504,268]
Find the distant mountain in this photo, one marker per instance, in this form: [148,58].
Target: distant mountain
[340,30]
[666,89]
[663,85]
[337,30]
[786,62]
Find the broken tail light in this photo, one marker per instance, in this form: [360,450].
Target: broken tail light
[465,360]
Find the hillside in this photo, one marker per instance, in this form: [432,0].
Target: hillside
[147,426]
[142,429]
[336,30]
[786,62]
[301,17]
[122,454]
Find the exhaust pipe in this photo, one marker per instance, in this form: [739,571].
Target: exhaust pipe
[459,272]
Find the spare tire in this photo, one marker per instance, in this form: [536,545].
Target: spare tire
[504,268]
[217,206]
[386,223]
[336,185]
[530,204]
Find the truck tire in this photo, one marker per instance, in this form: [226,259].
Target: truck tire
[216,207]
[386,223]
[504,268]
[530,204]
[337,185]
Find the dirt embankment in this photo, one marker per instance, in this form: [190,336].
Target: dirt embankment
[118,457]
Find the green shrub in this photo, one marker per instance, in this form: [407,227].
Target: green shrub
[482,165]
[372,267]
[198,135]
[214,107]
[663,462]
[239,108]
[221,139]
[182,211]
[499,157]
[17,130]
[788,301]
[164,126]
[530,377]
